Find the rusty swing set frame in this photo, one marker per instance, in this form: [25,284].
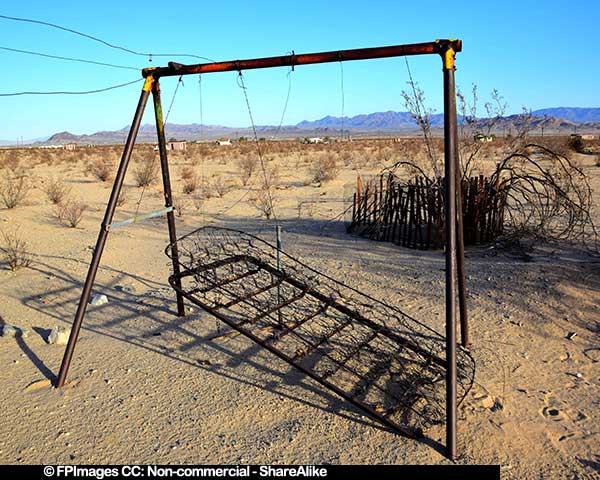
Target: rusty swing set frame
[454,247]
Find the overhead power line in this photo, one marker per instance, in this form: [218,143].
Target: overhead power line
[70,59]
[103,42]
[86,92]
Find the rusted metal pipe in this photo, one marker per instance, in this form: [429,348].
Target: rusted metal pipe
[104,230]
[428,48]
[450,136]
[168,196]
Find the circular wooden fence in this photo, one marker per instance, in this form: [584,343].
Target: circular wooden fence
[411,213]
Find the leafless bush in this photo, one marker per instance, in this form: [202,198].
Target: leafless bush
[247,165]
[187,172]
[207,192]
[10,160]
[101,167]
[557,143]
[305,206]
[414,101]
[56,190]
[264,198]
[181,207]
[545,196]
[548,196]
[346,157]
[14,251]
[45,157]
[146,172]
[190,180]
[470,150]
[14,188]
[323,168]
[198,201]
[123,197]
[70,211]
[220,185]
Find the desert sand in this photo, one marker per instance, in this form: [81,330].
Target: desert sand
[148,387]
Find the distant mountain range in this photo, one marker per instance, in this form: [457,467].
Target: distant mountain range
[552,120]
[572,114]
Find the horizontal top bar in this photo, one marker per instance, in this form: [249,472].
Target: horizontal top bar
[175,69]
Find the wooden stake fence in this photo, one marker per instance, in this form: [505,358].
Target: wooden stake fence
[412,214]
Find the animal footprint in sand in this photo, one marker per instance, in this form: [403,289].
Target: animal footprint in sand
[553,413]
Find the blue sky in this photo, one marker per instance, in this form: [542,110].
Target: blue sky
[537,54]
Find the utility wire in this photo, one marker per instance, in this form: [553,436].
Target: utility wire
[104,42]
[86,92]
[70,59]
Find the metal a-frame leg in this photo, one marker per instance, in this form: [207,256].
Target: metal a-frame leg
[164,164]
[450,137]
[104,230]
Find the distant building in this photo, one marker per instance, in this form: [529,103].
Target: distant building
[589,136]
[70,146]
[224,141]
[315,140]
[481,138]
[177,145]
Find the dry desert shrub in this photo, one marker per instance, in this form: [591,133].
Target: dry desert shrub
[323,168]
[198,201]
[101,167]
[44,157]
[10,160]
[181,207]
[14,250]
[220,185]
[146,172]
[191,184]
[246,165]
[123,197]
[264,198]
[13,189]
[70,212]
[346,157]
[559,144]
[187,172]
[305,206]
[56,190]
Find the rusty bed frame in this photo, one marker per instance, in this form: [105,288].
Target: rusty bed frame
[365,350]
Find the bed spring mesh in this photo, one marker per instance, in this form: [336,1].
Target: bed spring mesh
[370,353]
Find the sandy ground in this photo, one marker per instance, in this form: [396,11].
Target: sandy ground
[148,387]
